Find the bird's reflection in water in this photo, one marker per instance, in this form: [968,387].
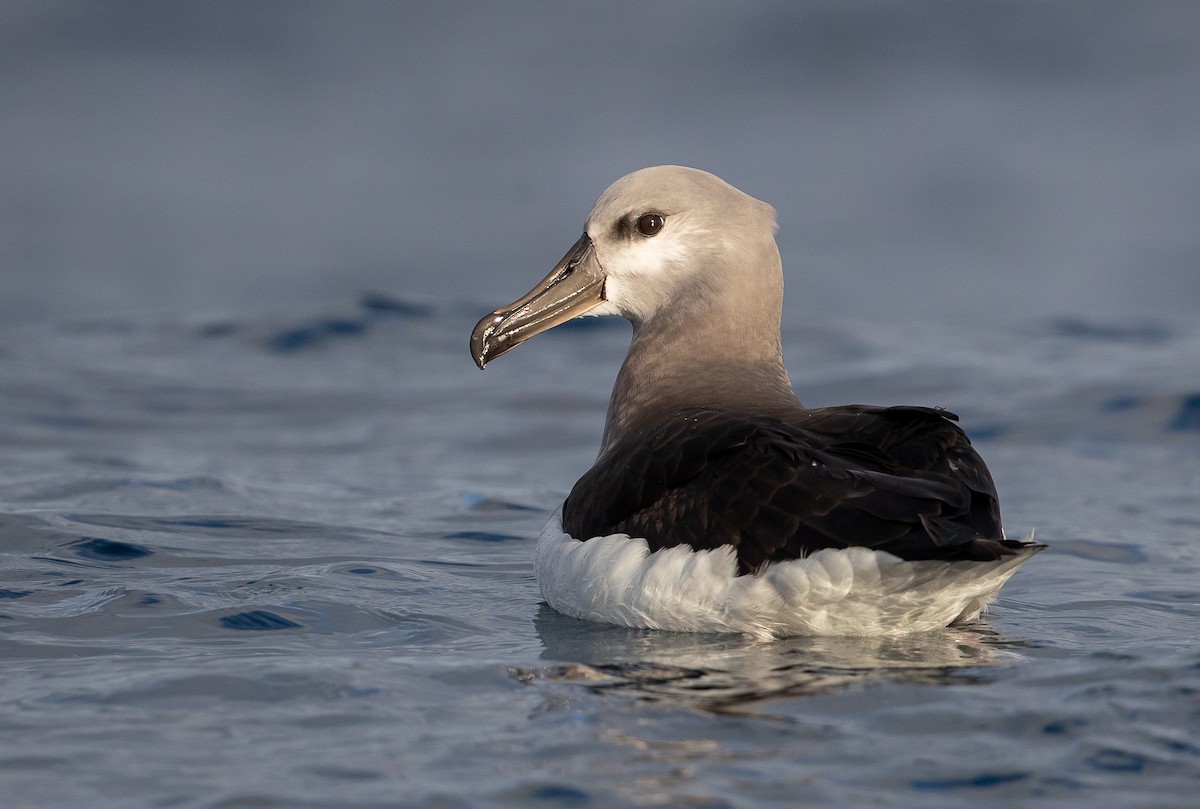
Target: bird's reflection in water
[734,674]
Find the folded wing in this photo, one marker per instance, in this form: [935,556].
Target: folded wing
[903,480]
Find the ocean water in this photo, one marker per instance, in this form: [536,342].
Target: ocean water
[283,559]
[927,159]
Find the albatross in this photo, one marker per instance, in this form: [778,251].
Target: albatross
[718,503]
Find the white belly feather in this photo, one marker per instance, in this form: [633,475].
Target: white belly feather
[854,591]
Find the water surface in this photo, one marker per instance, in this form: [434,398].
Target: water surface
[284,559]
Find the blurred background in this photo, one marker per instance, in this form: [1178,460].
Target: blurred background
[947,160]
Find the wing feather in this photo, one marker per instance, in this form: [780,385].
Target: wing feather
[904,480]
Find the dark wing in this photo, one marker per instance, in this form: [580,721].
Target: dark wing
[902,480]
[919,439]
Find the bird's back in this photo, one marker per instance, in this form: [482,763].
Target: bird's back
[901,479]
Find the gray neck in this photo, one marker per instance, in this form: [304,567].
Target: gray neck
[722,353]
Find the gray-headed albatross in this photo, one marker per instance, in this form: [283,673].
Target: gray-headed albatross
[718,503]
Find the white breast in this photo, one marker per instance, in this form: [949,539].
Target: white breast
[854,591]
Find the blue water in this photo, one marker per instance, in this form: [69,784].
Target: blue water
[929,158]
[284,559]
[265,543]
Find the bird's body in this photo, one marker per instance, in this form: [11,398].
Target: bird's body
[718,502]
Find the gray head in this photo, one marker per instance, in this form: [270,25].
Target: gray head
[661,244]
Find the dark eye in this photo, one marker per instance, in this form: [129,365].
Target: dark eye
[649,224]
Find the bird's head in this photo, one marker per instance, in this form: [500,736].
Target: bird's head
[662,239]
